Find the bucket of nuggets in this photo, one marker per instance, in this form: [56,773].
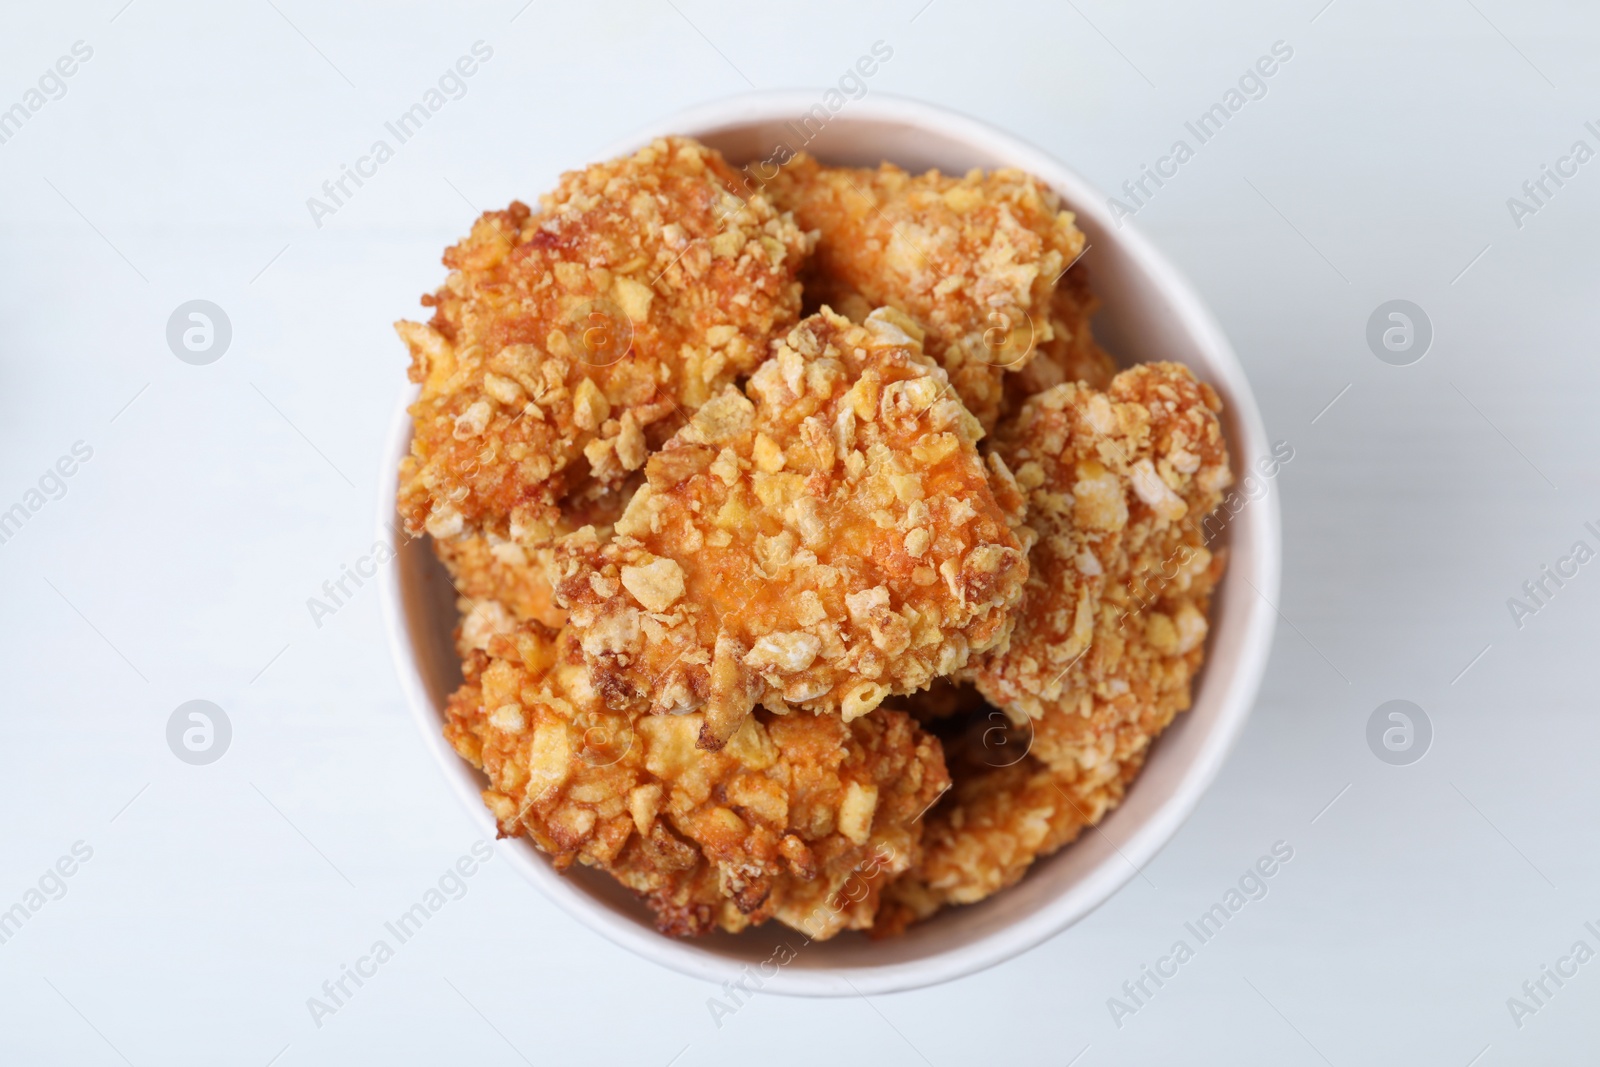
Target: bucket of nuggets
[814,562]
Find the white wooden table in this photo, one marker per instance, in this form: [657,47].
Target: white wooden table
[206,503]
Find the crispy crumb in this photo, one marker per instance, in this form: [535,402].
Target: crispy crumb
[799,818]
[563,338]
[972,259]
[814,597]
[1110,633]
[1118,482]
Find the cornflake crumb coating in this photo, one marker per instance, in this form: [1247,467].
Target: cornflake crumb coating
[563,340]
[989,829]
[491,571]
[1118,483]
[801,818]
[1112,627]
[484,568]
[973,259]
[820,540]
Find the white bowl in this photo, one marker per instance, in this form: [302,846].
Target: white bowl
[1149,313]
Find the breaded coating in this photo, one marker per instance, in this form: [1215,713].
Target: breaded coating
[562,341]
[800,817]
[986,833]
[1072,354]
[486,567]
[1118,483]
[1111,630]
[822,539]
[973,259]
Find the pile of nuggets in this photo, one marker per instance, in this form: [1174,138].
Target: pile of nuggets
[834,618]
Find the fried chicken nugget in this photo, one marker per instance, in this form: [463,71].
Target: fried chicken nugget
[973,259]
[561,339]
[822,539]
[801,818]
[1118,484]
[1111,630]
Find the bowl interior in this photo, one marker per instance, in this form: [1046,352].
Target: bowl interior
[1148,314]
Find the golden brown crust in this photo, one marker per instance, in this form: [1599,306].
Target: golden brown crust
[1118,482]
[990,829]
[785,822]
[562,339]
[824,538]
[486,568]
[972,259]
[1110,633]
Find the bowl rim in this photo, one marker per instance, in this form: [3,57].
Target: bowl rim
[1256,622]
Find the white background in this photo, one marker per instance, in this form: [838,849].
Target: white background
[178,564]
